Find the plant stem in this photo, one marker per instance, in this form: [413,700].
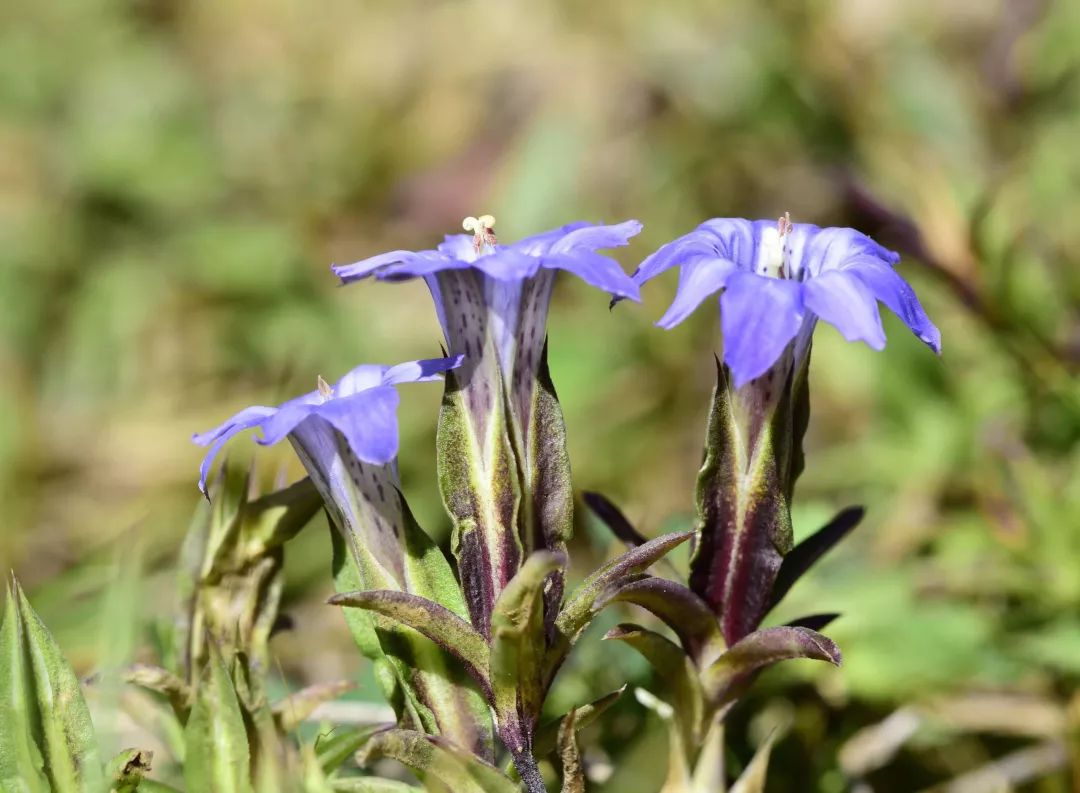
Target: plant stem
[529,772]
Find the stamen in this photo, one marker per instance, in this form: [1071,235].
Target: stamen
[325,391]
[481,228]
[784,227]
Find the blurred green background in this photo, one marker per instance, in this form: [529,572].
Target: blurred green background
[176,178]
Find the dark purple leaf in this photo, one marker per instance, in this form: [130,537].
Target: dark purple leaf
[612,517]
[807,552]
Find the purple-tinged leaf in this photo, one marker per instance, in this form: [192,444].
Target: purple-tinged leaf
[581,607]
[434,621]
[677,671]
[800,558]
[723,681]
[814,622]
[679,608]
[613,517]
[443,765]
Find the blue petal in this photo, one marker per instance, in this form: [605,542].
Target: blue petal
[287,417]
[396,265]
[368,420]
[507,264]
[219,436]
[698,280]
[594,237]
[818,250]
[892,290]
[539,244]
[596,270]
[420,371]
[759,317]
[845,302]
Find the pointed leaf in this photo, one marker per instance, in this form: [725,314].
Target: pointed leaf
[612,517]
[678,776]
[573,773]
[752,779]
[545,741]
[708,775]
[21,763]
[217,753]
[518,638]
[333,750]
[436,622]
[291,711]
[722,680]
[125,771]
[677,671]
[59,719]
[679,608]
[807,552]
[441,764]
[581,607]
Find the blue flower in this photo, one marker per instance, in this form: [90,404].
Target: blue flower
[777,279]
[362,407]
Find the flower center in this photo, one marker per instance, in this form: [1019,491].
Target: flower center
[774,256]
[326,392]
[484,240]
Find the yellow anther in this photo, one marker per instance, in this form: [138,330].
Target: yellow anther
[325,391]
[481,228]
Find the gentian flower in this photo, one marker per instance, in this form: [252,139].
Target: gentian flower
[346,435]
[777,279]
[503,469]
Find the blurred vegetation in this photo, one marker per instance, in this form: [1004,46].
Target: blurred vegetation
[175,179]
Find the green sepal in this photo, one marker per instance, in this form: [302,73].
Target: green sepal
[518,643]
[125,771]
[48,741]
[443,766]
[573,773]
[372,784]
[217,754]
[677,671]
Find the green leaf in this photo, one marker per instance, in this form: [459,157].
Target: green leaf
[291,711]
[436,622]
[724,679]
[708,774]
[752,779]
[442,765]
[678,776]
[573,773]
[679,608]
[581,607]
[52,727]
[332,751]
[125,771]
[677,671]
[21,763]
[518,641]
[217,754]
